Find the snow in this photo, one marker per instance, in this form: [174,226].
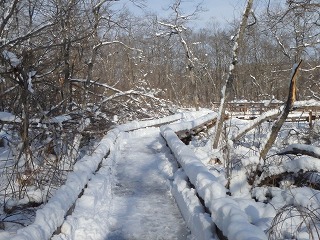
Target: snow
[303,148]
[51,216]
[30,86]
[60,119]
[133,195]
[199,175]
[11,57]
[122,200]
[226,213]
[188,125]
[233,221]
[262,117]
[302,163]
[239,186]
[191,208]
[9,117]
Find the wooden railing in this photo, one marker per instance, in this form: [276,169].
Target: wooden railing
[250,110]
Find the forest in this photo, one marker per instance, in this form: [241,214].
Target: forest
[72,69]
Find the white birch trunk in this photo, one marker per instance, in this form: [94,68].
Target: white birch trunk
[226,90]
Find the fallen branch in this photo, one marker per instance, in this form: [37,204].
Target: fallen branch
[256,122]
[301,149]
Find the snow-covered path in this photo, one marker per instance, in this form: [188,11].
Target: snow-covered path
[129,198]
[142,206]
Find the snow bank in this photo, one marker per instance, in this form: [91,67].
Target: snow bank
[304,196]
[233,222]
[197,220]
[51,216]
[295,211]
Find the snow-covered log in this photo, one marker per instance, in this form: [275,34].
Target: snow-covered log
[256,122]
[193,127]
[226,213]
[197,220]
[296,168]
[165,120]
[310,162]
[302,149]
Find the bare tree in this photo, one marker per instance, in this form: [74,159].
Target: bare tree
[177,26]
[227,88]
[295,29]
[284,114]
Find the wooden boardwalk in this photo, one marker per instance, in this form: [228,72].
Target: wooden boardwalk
[251,110]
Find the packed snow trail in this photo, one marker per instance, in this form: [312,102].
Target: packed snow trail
[142,206]
[129,198]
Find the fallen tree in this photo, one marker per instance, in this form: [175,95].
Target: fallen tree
[301,149]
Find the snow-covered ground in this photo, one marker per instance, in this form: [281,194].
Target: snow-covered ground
[50,216]
[135,193]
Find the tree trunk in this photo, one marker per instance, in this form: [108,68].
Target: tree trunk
[278,124]
[227,88]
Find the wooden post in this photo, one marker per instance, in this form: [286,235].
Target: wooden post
[310,119]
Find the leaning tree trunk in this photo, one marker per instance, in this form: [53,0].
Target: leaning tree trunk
[285,112]
[227,88]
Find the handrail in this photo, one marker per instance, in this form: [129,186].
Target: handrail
[257,108]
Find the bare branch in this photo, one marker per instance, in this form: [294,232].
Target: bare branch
[117,42]
[285,52]
[9,14]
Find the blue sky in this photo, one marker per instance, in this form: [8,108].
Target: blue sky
[221,11]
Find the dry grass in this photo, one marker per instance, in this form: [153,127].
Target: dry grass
[294,222]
